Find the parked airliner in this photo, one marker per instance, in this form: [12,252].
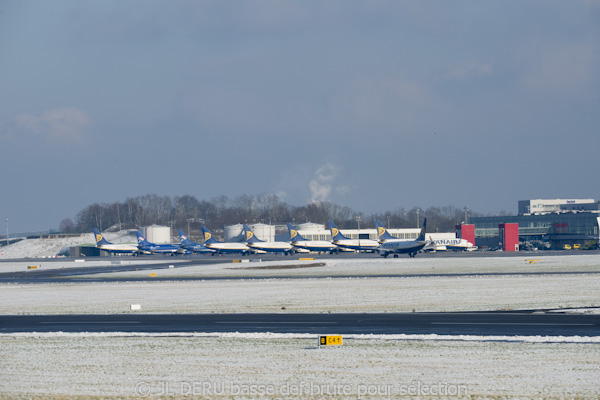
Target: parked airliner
[194,247]
[105,245]
[272,247]
[410,247]
[450,244]
[311,245]
[223,247]
[153,248]
[344,242]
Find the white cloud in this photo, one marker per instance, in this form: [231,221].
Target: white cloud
[61,124]
[322,185]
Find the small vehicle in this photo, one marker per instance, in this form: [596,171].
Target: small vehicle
[576,246]
[567,247]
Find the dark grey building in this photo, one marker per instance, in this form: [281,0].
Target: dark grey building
[557,228]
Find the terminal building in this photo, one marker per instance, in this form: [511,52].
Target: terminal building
[554,223]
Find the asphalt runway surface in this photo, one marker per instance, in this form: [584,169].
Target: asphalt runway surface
[451,323]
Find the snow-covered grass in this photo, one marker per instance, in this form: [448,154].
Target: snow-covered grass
[273,367]
[373,293]
[307,295]
[35,248]
[23,266]
[231,365]
[377,266]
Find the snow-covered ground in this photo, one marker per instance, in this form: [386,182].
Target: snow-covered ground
[335,290]
[63,263]
[35,248]
[55,366]
[58,365]
[377,266]
[307,295]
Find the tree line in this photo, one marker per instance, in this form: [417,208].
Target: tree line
[186,211]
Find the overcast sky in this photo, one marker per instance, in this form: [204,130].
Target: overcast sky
[375,105]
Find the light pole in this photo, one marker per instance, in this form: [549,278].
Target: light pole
[193,220]
[7,240]
[418,210]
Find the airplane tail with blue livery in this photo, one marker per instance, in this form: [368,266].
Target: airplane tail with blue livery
[142,240]
[294,235]
[100,241]
[421,237]
[184,239]
[249,235]
[208,237]
[382,233]
[335,232]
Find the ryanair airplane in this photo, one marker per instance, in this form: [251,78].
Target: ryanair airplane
[449,244]
[310,245]
[222,247]
[271,247]
[410,247]
[346,243]
[432,244]
[194,247]
[105,245]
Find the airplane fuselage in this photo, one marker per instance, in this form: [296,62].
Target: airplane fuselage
[357,244]
[227,248]
[118,248]
[314,245]
[271,247]
[401,247]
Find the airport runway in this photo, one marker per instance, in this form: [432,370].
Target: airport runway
[454,323]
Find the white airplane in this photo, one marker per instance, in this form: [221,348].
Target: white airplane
[449,244]
[301,243]
[105,245]
[271,247]
[432,244]
[222,247]
[346,243]
[410,247]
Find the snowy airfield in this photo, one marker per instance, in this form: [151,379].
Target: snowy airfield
[262,365]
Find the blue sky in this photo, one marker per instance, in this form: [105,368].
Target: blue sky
[373,105]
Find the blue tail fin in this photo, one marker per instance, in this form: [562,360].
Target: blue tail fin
[141,240]
[183,238]
[382,233]
[208,238]
[99,238]
[250,237]
[421,237]
[294,235]
[335,232]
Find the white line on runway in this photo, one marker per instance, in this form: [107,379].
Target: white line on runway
[275,322]
[91,322]
[508,323]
